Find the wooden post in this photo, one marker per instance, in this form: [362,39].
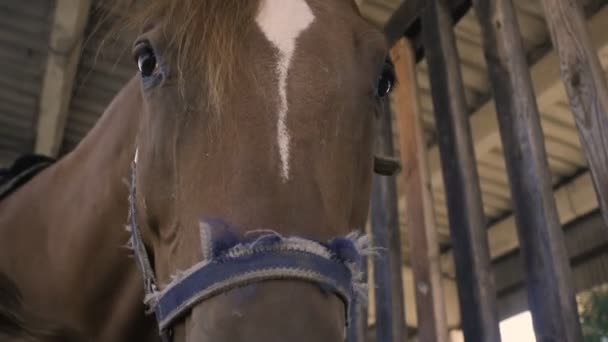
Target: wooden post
[476,287]
[424,247]
[585,84]
[64,52]
[390,317]
[358,329]
[363,313]
[550,291]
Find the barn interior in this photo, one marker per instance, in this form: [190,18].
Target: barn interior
[55,83]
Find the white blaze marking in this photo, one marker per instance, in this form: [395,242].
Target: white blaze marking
[282,21]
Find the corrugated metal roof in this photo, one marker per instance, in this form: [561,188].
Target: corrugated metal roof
[105,67]
[24,33]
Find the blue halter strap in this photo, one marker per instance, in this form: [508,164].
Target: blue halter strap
[231,261]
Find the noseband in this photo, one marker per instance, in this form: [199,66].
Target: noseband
[230,261]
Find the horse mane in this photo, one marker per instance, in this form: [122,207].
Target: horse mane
[203,35]
[17,324]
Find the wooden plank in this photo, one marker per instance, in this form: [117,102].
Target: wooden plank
[490,202]
[422,234]
[499,176]
[465,210]
[549,284]
[566,153]
[559,132]
[585,83]
[389,303]
[560,112]
[62,62]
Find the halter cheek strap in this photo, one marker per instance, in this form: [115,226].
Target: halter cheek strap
[230,261]
[136,241]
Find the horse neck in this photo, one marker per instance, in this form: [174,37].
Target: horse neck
[92,182]
[73,216]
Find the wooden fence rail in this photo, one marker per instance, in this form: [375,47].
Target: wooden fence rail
[421,230]
[389,301]
[549,278]
[476,287]
[585,84]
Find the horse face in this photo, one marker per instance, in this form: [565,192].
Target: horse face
[261,116]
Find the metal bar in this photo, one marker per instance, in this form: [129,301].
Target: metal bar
[476,287]
[585,84]
[550,291]
[424,246]
[389,303]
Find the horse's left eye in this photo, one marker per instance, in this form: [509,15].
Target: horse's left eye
[386,81]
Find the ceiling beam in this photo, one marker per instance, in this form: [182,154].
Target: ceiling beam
[573,199]
[65,44]
[405,19]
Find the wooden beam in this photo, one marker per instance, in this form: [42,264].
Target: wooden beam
[405,21]
[465,212]
[502,236]
[548,275]
[585,84]
[386,237]
[424,246]
[66,37]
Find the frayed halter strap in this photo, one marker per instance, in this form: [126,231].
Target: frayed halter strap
[230,261]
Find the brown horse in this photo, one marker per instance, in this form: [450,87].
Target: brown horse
[260,113]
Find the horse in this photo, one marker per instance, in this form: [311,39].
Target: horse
[245,138]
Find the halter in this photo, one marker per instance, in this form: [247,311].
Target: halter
[230,261]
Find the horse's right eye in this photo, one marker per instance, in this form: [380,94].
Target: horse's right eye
[386,81]
[146,61]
